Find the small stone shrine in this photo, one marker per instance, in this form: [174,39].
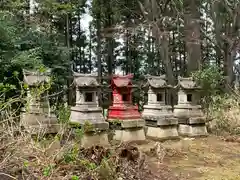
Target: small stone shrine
[188,111]
[124,112]
[158,116]
[37,116]
[87,112]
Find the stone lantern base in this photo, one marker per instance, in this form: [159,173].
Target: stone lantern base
[192,130]
[93,124]
[95,138]
[160,122]
[161,128]
[192,127]
[191,120]
[36,123]
[92,138]
[162,133]
[89,115]
[128,130]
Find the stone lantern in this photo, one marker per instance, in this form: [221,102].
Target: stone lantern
[188,110]
[124,112]
[87,110]
[158,116]
[37,116]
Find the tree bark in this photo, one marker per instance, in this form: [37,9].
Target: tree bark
[192,35]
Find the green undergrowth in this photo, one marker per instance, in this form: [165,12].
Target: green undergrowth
[221,108]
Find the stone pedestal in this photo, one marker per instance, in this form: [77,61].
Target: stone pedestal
[192,130]
[37,116]
[159,118]
[189,113]
[130,135]
[92,139]
[93,116]
[128,130]
[87,112]
[39,123]
[123,116]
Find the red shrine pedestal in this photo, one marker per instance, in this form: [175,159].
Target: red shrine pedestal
[124,112]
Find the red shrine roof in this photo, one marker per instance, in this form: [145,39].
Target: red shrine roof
[122,81]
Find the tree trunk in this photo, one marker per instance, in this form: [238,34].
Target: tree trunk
[171,99]
[217,29]
[110,56]
[192,35]
[80,49]
[90,49]
[229,55]
[70,90]
[99,64]
[149,52]
[98,51]
[127,52]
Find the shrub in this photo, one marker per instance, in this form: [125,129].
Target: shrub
[210,79]
[223,110]
[224,113]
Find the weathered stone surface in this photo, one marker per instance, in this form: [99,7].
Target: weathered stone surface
[152,114]
[33,78]
[42,128]
[192,130]
[187,83]
[93,116]
[164,121]
[129,123]
[162,132]
[157,81]
[90,140]
[129,135]
[192,120]
[87,109]
[132,123]
[157,114]
[197,120]
[39,123]
[183,120]
[161,114]
[188,111]
[38,116]
[85,80]
[87,112]
[157,111]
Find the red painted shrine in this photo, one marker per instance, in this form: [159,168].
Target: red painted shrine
[122,107]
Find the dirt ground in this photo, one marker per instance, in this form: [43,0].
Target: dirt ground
[209,158]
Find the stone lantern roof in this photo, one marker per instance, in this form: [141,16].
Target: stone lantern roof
[85,80]
[157,82]
[122,81]
[187,83]
[32,78]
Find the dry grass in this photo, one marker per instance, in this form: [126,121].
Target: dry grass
[23,157]
[202,159]
[225,114]
[27,158]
